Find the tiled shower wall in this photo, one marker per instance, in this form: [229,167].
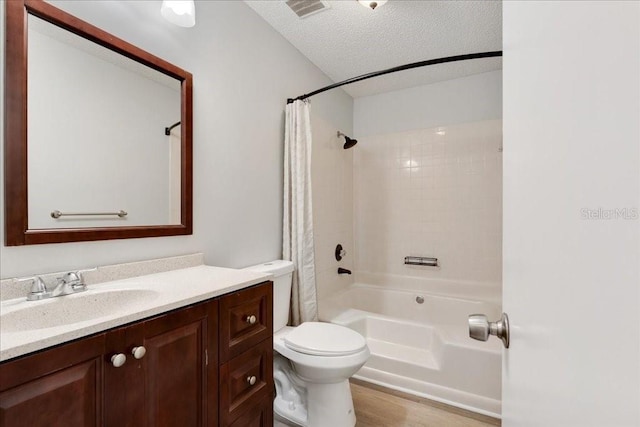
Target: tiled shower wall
[431,192]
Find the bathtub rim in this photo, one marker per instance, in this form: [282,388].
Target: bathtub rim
[490,292]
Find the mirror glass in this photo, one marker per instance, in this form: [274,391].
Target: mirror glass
[97,125]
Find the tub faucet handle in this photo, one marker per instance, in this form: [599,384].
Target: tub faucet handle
[340,252]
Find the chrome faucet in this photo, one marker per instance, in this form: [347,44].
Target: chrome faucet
[70,283]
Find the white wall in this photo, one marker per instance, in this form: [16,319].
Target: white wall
[467,99]
[243,72]
[428,180]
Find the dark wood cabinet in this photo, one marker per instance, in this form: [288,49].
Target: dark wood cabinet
[180,368]
[244,380]
[246,319]
[174,383]
[58,387]
[246,357]
[259,415]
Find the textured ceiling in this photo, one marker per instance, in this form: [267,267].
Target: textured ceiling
[348,40]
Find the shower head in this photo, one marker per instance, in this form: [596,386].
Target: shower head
[348,142]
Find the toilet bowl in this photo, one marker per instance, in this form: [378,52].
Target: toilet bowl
[323,356]
[312,362]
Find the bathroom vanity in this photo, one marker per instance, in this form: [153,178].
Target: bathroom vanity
[205,363]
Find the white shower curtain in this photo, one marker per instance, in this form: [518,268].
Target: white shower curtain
[297,236]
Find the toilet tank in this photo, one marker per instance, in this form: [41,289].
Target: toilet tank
[282,273]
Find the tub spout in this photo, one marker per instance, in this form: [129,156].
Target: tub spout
[343,271]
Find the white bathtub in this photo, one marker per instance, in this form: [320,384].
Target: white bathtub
[423,349]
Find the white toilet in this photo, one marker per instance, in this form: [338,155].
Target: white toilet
[312,363]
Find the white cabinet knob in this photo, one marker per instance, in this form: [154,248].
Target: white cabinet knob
[252,319]
[118,360]
[251,379]
[139,352]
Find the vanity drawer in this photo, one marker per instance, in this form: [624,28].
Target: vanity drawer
[245,381]
[246,319]
[259,416]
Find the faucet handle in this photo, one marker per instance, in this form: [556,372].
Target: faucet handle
[38,289]
[38,285]
[340,252]
[74,279]
[71,277]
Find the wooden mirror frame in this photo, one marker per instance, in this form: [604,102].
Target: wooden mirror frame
[15,162]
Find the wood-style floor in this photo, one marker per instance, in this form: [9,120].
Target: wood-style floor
[379,407]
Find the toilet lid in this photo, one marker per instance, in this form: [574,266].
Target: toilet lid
[324,339]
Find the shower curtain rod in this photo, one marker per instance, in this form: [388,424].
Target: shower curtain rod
[400,68]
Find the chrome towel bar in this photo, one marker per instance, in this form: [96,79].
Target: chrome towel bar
[57,214]
[419,260]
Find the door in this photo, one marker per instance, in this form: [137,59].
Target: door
[571,198]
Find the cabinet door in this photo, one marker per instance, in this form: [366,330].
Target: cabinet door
[178,373]
[57,387]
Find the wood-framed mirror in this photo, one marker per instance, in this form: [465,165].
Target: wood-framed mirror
[98,133]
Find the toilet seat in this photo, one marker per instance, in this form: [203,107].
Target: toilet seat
[324,339]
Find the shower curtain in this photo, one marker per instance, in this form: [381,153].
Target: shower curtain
[297,235]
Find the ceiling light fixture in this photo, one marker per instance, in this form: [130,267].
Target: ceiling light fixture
[179,12]
[372,4]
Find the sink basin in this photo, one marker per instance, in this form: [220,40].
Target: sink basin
[70,309]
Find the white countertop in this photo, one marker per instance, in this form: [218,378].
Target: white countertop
[157,293]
